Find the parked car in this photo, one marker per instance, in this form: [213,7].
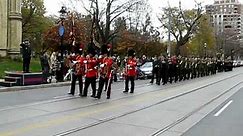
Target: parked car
[237,63]
[146,69]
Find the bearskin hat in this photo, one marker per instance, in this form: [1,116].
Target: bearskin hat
[104,49]
[109,46]
[91,49]
[79,48]
[131,52]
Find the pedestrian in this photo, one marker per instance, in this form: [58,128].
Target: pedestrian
[130,71]
[54,64]
[26,55]
[105,72]
[45,67]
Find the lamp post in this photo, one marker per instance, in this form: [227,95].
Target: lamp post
[63,13]
[205,49]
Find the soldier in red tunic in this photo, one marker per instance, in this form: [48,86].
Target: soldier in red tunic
[105,71]
[77,63]
[130,71]
[90,71]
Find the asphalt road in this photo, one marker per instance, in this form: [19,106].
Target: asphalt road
[52,93]
[151,109]
[226,120]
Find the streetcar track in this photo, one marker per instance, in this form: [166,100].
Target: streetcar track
[77,97]
[101,102]
[57,100]
[104,120]
[160,131]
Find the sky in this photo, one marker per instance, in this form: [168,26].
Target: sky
[53,6]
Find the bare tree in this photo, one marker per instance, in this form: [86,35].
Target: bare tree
[104,14]
[181,23]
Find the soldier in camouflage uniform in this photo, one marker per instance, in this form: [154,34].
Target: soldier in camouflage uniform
[182,68]
[193,66]
[164,70]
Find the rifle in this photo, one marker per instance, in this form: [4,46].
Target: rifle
[110,79]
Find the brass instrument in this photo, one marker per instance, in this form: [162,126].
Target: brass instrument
[78,68]
[104,71]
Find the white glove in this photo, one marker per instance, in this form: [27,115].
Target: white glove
[102,65]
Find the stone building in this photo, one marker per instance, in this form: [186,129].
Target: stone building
[226,17]
[10,27]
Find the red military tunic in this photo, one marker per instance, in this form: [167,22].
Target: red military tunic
[106,66]
[80,65]
[131,67]
[91,67]
[108,62]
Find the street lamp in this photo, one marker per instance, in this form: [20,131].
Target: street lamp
[205,49]
[63,13]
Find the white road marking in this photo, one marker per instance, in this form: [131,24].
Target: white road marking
[221,110]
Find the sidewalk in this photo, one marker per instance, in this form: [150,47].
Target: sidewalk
[48,85]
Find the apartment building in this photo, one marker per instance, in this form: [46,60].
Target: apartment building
[226,18]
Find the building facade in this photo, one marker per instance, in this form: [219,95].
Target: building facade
[10,27]
[226,17]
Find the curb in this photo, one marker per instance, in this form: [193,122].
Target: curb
[19,88]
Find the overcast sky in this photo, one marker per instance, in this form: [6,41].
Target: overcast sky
[53,6]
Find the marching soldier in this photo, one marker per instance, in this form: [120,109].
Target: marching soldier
[130,71]
[214,66]
[187,69]
[178,67]
[106,72]
[156,71]
[170,69]
[175,68]
[194,67]
[182,69]
[77,64]
[164,70]
[90,71]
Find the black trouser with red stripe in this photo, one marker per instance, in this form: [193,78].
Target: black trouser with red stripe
[129,78]
[73,84]
[88,81]
[102,82]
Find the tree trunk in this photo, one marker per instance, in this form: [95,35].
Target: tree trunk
[177,50]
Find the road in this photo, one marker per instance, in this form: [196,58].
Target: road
[226,120]
[151,110]
[53,93]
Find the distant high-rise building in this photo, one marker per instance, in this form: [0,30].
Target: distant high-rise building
[226,17]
